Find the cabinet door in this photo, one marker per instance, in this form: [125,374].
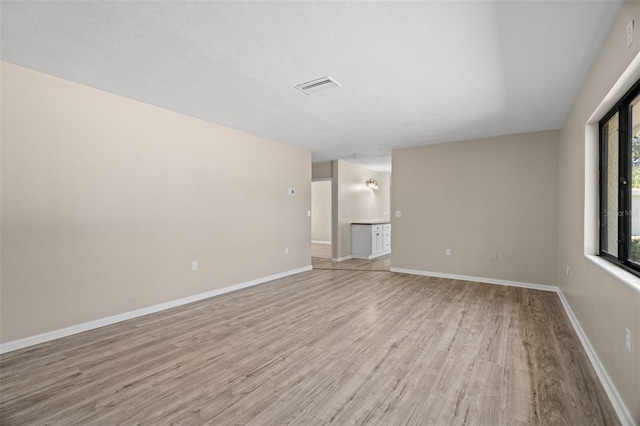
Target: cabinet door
[374,242]
[377,242]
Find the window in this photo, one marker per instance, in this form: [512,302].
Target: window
[620,182]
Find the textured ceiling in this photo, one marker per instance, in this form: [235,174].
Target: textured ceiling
[412,73]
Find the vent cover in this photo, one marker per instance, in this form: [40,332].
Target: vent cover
[317,85]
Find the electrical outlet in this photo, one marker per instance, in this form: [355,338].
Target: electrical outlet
[447,252]
[494,257]
[194,265]
[398,213]
[567,270]
[630,33]
[628,340]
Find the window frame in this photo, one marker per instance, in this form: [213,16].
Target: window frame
[624,213]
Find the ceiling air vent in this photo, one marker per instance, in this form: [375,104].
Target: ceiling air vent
[317,85]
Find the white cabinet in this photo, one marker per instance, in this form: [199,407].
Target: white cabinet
[369,240]
[386,238]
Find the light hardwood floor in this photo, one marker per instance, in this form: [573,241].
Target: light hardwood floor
[321,259]
[321,250]
[379,264]
[321,347]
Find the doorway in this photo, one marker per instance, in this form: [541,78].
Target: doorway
[321,218]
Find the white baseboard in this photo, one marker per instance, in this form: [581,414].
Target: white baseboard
[621,410]
[616,401]
[373,256]
[542,287]
[321,242]
[79,328]
[340,259]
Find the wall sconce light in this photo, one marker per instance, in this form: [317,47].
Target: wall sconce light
[371,183]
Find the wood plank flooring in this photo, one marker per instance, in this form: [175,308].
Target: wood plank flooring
[321,250]
[321,347]
[380,264]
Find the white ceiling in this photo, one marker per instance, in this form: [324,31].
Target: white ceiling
[412,73]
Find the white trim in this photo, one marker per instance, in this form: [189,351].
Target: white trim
[621,86]
[616,401]
[79,328]
[618,404]
[320,242]
[340,259]
[542,287]
[372,256]
[626,278]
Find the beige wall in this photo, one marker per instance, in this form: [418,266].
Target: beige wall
[321,211]
[353,202]
[106,201]
[603,305]
[322,170]
[479,197]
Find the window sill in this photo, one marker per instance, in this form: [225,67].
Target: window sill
[627,278]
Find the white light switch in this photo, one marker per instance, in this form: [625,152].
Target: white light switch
[308,213]
[630,33]
[194,265]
